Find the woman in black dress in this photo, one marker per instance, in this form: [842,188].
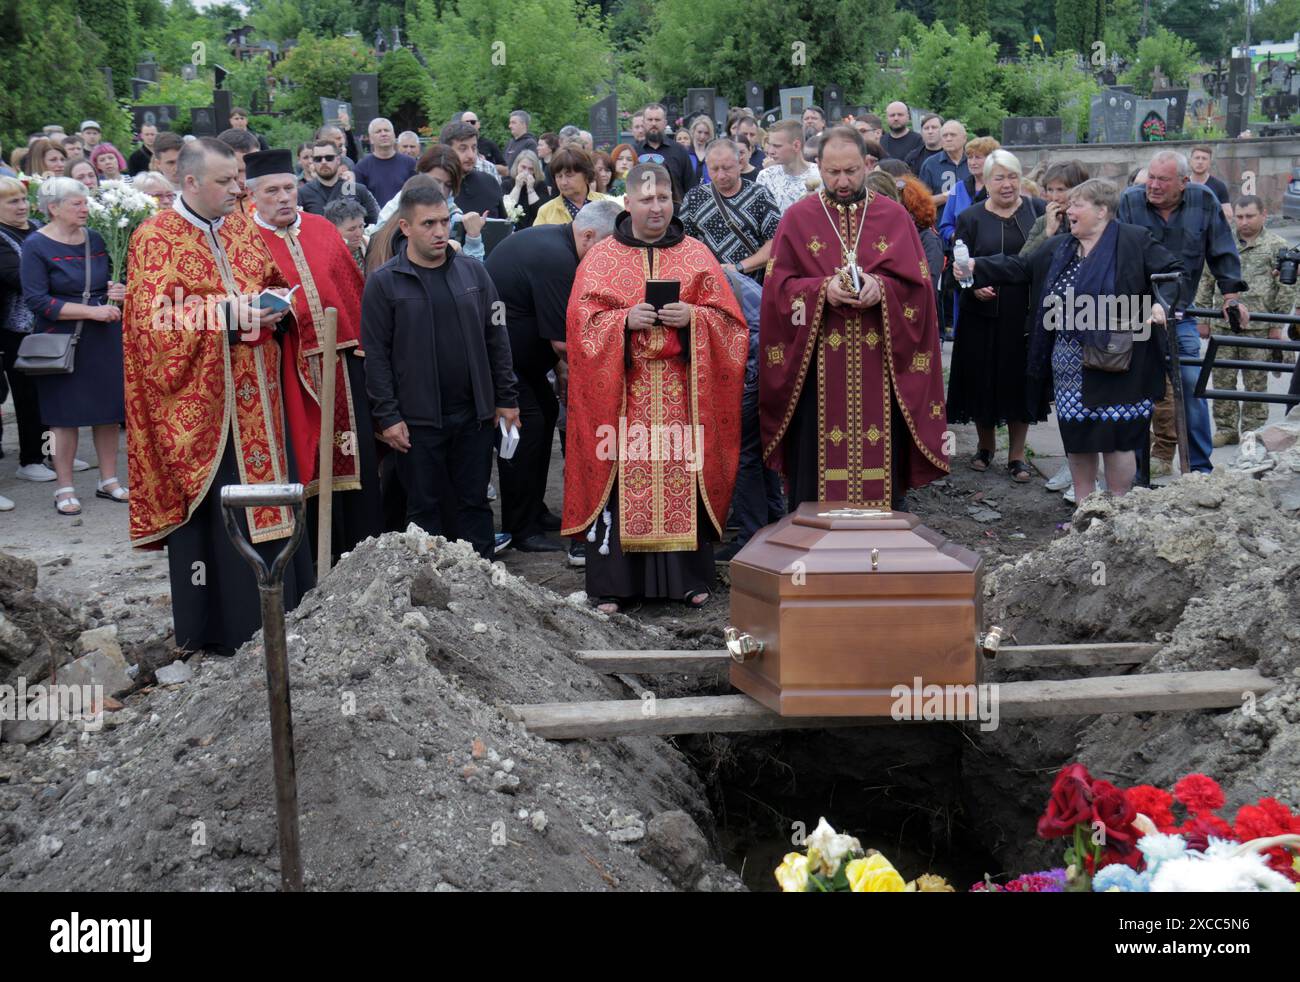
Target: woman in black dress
[54,289]
[986,384]
[1089,285]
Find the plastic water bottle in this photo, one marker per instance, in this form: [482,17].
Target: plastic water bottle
[961,256]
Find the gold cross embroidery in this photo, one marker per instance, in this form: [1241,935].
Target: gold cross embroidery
[874,435]
[835,340]
[936,410]
[816,245]
[872,339]
[245,391]
[836,436]
[775,354]
[909,312]
[881,244]
[920,362]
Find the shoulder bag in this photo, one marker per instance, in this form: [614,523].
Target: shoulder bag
[49,353]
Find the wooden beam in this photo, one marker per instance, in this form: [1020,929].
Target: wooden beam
[1159,692]
[654,662]
[658,662]
[1033,655]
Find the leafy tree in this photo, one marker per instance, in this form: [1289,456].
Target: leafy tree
[1051,85]
[277,20]
[405,91]
[955,75]
[1175,57]
[973,14]
[1212,26]
[173,90]
[173,40]
[319,67]
[780,42]
[52,73]
[1276,20]
[548,56]
[247,82]
[1123,27]
[114,22]
[1079,24]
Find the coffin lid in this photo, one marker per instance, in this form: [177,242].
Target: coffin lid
[838,538]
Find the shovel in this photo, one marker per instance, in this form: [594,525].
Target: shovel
[270,584]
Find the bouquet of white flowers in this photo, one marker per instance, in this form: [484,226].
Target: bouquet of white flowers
[116,211]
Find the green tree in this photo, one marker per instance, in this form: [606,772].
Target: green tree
[1080,24]
[1212,26]
[1050,85]
[173,90]
[784,42]
[973,14]
[277,20]
[319,67]
[1174,56]
[1276,21]
[955,74]
[405,90]
[52,73]
[114,23]
[548,56]
[185,36]
[1123,27]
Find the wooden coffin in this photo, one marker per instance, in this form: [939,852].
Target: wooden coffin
[847,603]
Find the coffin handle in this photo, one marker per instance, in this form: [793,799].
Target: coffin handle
[990,643]
[743,647]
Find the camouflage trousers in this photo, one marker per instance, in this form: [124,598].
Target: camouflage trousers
[1228,412]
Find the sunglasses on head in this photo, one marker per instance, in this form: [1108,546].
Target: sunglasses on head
[325,159]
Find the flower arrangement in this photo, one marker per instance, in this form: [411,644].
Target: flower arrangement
[836,863]
[116,211]
[1132,840]
[514,211]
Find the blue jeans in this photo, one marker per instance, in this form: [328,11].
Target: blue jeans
[1200,434]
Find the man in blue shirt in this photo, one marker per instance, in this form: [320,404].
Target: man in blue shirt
[942,171]
[1188,221]
[383,171]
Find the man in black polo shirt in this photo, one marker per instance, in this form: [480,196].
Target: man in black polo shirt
[534,271]
[659,148]
[438,369]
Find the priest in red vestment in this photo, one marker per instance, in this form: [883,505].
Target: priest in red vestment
[204,406]
[313,257]
[851,404]
[654,403]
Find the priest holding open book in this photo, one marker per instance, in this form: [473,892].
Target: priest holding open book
[656,346]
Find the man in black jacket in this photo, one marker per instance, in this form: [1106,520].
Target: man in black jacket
[661,149]
[438,369]
[329,186]
[480,192]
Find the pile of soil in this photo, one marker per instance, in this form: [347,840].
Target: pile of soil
[411,774]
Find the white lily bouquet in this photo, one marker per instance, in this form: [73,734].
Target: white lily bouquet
[514,211]
[116,210]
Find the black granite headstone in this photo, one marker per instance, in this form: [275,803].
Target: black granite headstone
[365,100]
[329,110]
[203,121]
[603,121]
[700,101]
[161,116]
[1031,131]
[146,70]
[222,103]
[1176,99]
[834,97]
[1119,124]
[1238,109]
[754,97]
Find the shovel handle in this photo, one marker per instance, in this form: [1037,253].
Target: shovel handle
[237,496]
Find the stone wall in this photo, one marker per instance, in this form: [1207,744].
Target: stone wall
[1267,160]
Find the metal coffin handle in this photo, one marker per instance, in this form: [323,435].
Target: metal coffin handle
[742,646]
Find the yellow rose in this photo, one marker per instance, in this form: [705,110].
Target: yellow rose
[792,874]
[929,883]
[874,874]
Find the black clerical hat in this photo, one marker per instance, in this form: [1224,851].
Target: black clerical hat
[265,162]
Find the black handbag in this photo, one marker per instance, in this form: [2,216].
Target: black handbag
[1108,351]
[54,354]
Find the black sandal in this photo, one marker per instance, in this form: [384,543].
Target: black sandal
[1020,471]
[695,604]
[981,460]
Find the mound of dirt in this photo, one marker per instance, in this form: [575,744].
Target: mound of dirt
[1209,565]
[410,774]
[32,627]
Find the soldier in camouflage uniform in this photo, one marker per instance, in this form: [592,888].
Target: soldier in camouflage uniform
[1265,294]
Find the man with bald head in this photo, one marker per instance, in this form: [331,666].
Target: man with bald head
[384,170]
[942,172]
[901,140]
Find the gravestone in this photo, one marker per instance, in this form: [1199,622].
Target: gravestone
[1176,100]
[1238,108]
[221,105]
[672,108]
[329,110]
[1152,120]
[139,86]
[1096,119]
[795,101]
[917,116]
[188,72]
[146,70]
[602,120]
[1118,122]
[365,100]
[1198,105]
[700,101]
[834,97]
[1031,131]
[720,111]
[161,116]
[770,118]
[203,121]
[754,100]
[1277,78]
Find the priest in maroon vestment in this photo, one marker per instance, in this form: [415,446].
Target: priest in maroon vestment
[654,403]
[313,257]
[851,404]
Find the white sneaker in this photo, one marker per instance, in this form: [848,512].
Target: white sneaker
[79,465]
[6,504]
[34,472]
[1069,494]
[1060,480]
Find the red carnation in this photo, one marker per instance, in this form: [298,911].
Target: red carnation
[1116,813]
[1197,831]
[1132,859]
[1070,803]
[1264,819]
[1199,793]
[1155,803]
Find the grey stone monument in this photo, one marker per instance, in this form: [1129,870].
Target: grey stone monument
[1031,131]
[795,101]
[603,121]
